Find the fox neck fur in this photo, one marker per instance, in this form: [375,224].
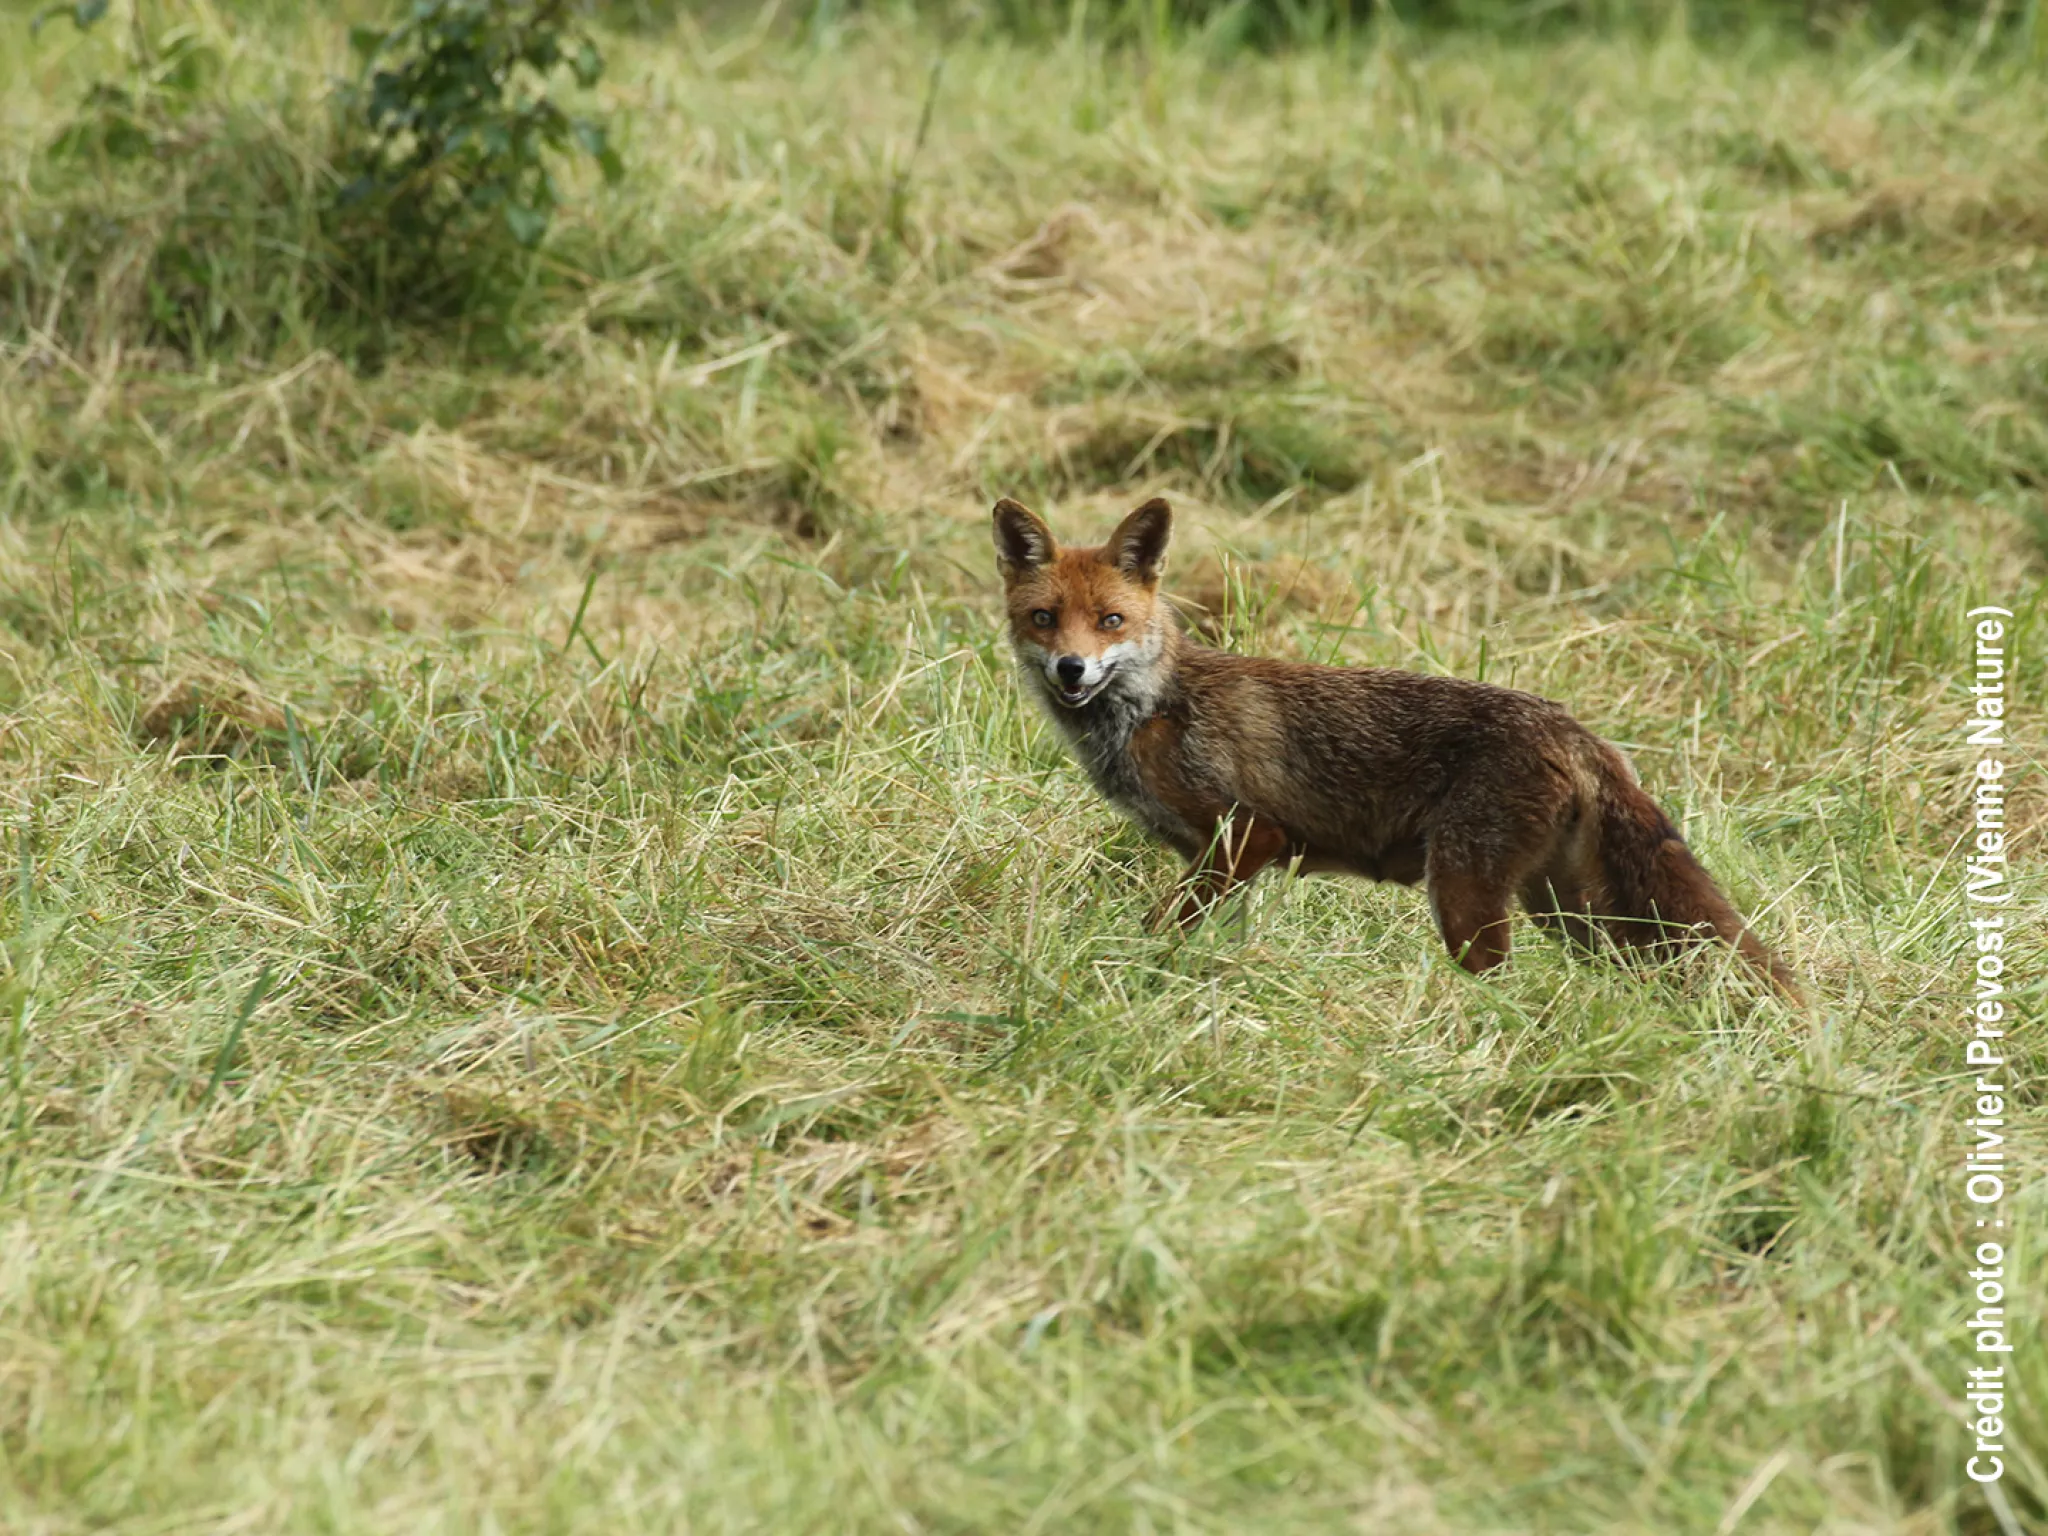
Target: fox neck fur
[1143,686]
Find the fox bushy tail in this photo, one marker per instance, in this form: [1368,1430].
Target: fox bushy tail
[1658,896]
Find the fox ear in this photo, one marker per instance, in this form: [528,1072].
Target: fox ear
[1023,543]
[1138,547]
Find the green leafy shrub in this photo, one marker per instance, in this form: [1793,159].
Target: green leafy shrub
[142,114]
[169,213]
[447,134]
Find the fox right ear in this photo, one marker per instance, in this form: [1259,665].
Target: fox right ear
[1023,543]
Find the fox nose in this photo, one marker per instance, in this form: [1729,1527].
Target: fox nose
[1072,669]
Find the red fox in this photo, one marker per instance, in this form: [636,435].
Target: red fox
[1484,794]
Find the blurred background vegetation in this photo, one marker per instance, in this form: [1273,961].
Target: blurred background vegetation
[549,980]
[1293,23]
[256,209]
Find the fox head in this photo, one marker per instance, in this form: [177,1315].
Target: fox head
[1085,620]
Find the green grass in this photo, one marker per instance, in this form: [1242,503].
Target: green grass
[554,984]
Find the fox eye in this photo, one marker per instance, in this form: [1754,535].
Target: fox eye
[1042,617]
[1112,621]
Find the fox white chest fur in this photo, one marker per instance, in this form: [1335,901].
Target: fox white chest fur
[1100,731]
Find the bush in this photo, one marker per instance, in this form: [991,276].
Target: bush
[446,138]
[156,215]
[166,214]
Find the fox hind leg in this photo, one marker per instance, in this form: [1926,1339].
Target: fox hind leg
[1563,897]
[1483,853]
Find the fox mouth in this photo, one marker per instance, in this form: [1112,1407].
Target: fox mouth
[1076,696]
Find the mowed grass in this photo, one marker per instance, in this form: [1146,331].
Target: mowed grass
[554,984]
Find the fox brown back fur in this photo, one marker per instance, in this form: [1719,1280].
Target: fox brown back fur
[1484,794]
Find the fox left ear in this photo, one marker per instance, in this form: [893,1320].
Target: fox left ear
[1138,547]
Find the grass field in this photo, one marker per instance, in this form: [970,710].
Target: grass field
[555,985]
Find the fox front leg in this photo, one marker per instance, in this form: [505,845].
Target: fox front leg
[1237,851]
[1198,889]
[1164,910]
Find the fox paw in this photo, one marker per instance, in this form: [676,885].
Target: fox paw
[1182,911]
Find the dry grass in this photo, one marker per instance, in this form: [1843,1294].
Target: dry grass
[701,1065]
